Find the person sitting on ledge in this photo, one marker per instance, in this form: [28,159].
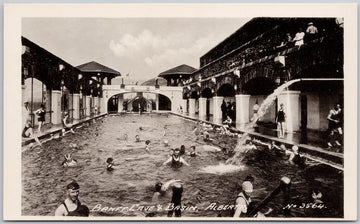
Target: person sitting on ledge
[28,132]
[67,124]
[228,121]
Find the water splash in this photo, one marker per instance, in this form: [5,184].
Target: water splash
[222,169]
[241,148]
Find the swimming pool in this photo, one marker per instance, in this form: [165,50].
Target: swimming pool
[132,181]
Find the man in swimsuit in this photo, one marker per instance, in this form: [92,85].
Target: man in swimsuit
[176,160]
[243,199]
[71,205]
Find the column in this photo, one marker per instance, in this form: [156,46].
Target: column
[291,101]
[242,108]
[120,103]
[23,95]
[202,108]
[157,102]
[103,106]
[192,107]
[87,105]
[76,106]
[56,106]
[184,106]
[217,114]
[96,105]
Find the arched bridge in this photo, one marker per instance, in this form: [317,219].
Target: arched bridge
[172,93]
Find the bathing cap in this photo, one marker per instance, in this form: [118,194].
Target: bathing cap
[158,186]
[109,160]
[147,142]
[295,148]
[73,186]
[177,150]
[247,186]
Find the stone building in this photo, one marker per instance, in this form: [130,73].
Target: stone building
[260,57]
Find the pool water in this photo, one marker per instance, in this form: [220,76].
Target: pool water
[132,181]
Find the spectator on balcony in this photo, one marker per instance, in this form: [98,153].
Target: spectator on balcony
[299,37]
[311,32]
[286,42]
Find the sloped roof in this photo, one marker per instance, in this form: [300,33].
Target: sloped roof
[179,70]
[96,67]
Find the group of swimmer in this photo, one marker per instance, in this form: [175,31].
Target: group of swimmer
[72,206]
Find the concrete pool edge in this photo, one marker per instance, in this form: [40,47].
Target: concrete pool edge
[333,159]
[58,130]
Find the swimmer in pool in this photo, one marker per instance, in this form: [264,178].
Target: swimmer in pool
[161,193]
[193,153]
[176,160]
[137,138]
[207,137]
[110,164]
[69,161]
[147,145]
[182,150]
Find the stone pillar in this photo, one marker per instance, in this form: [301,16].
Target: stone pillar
[120,103]
[56,106]
[76,106]
[242,108]
[87,106]
[202,107]
[184,106]
[103,106]
[96,105]
[291,101]
[23,95]
[157,102]
[217,114]
[192,107]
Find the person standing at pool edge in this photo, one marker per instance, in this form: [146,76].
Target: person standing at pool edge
[280,120]
[71,206]
[41,113]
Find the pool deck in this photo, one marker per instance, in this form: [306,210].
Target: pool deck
[316,153]
[57,129]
